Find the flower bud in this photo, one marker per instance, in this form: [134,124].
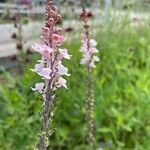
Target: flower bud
[52,13]
[58,18]
[51,21]
[46,30]
[58,30]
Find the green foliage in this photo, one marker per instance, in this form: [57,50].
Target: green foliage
[122,98]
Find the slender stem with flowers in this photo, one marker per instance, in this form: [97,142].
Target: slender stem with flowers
[89,58]
[50,69]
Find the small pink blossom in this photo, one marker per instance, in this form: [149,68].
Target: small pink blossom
[96,59]
[43,49]
[62,70]
[46,32]
[58,39]
[45,73]
[58,30]
[84,61]
[93,43]
[39,67]
[92,63]
[39,87]
[64,54]
[93,50]
[62,82]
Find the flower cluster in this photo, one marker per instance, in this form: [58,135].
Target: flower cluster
[89,49]
[50,67]
[88,45]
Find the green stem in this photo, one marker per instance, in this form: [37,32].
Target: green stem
[45,121]
[90,110]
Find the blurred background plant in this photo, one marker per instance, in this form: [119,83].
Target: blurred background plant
[121,84]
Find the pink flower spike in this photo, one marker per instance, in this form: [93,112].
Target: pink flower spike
[88,49]
[64,53]
[45,73]
[50,68]
[39,87]
[62,82]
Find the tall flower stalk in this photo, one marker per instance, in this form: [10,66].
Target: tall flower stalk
[50,69]
[89,50]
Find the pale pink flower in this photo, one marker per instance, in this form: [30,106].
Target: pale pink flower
[62,82]
[62,70]
[45,73]
[94,60]
[38,67]
[83,61]
[39,87]
[93,50]
[58,30]
[58,39]
[46,31]
[93,43]
[43,49]
[64,54]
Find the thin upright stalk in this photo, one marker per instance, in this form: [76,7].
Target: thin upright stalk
[88,49]
[45,121]
[51,69]
[90,99]
[90,109]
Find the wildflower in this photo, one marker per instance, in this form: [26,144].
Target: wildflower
[50,68]
[58,39]
[89,50]
[39,87]
[89,59]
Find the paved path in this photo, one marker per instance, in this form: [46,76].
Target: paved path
[6,31]
[8,47]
